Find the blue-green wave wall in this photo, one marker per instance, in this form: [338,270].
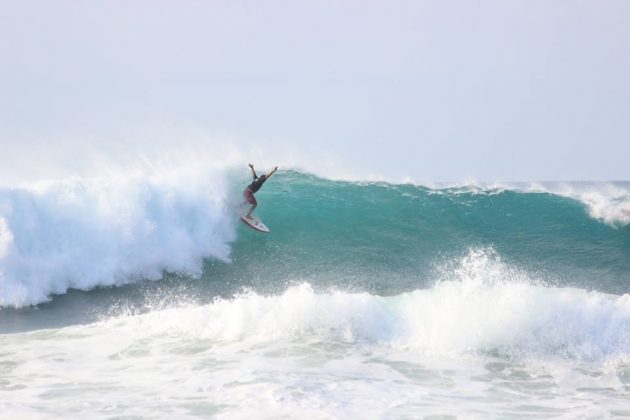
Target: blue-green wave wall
[387,238]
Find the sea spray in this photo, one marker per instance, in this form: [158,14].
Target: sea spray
[98,232]
[515,321]
[484,306]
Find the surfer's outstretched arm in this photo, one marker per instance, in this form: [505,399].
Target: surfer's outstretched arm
[253,170]
[272,172]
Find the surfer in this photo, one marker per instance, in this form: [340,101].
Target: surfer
[253,187]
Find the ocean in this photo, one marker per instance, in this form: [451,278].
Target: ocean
[139,296]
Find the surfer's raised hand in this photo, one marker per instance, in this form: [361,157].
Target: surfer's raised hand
[253,170]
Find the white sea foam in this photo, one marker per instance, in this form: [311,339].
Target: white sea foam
[485,306]
[452,318]
[486,340]
[89,232]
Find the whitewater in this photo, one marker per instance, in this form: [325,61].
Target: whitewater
[144,296]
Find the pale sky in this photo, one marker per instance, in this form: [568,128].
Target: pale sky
[431,91]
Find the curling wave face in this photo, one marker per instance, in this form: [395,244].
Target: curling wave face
[382,238]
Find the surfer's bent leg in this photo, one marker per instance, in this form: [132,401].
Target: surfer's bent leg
[249,197]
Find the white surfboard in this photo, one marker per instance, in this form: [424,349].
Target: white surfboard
[255,223]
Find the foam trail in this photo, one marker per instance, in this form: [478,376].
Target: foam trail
[84,233]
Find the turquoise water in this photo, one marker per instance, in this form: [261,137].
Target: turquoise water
[376,237]
[391,238]
[148,297]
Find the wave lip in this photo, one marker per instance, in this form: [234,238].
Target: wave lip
[100,232]
[608,202]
